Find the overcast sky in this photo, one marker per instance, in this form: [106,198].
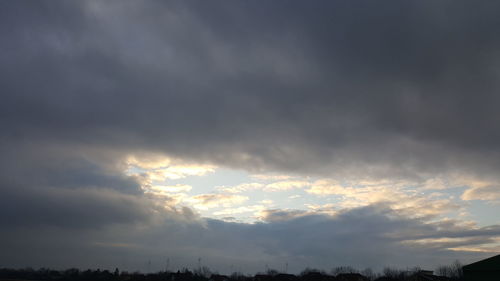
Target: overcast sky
[249,134]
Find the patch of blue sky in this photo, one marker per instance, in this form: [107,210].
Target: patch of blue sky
[132,170]
[209,182]
[298,199]
[484,213]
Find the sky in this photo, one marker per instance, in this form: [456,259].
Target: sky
[247,135]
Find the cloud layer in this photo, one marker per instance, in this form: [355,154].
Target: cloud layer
[404,89]
[405,92]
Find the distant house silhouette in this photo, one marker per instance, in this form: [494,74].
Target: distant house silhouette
[351,277]
[425,272]
[427,275]
[262,277]
[484,270]
[316,276]
[285,277]
[182,276]
[420,275]
[218,277]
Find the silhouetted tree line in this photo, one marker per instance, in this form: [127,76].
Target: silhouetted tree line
[345,273]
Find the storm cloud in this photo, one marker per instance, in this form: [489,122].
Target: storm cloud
[285,85]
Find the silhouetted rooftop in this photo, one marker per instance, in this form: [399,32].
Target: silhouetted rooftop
[488,264]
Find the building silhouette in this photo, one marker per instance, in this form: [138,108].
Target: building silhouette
[484,270]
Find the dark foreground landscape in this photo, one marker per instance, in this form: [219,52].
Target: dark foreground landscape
[453,272]
[187,275]
[484,270]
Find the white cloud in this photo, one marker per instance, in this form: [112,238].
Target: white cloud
[405,200]
[478,189]
[270,187]
[171,188]
[239,210]
[482,192]
[271,177]
[212,200]
[159,169]
[436,183]
[327,187]
[240,188]
[285,185]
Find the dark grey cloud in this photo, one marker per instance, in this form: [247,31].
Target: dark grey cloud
[51,185]
[364,237]
[288,85]
[70,208]
[399,89]
[44,165]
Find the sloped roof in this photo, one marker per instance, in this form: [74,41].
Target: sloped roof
[492,263]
